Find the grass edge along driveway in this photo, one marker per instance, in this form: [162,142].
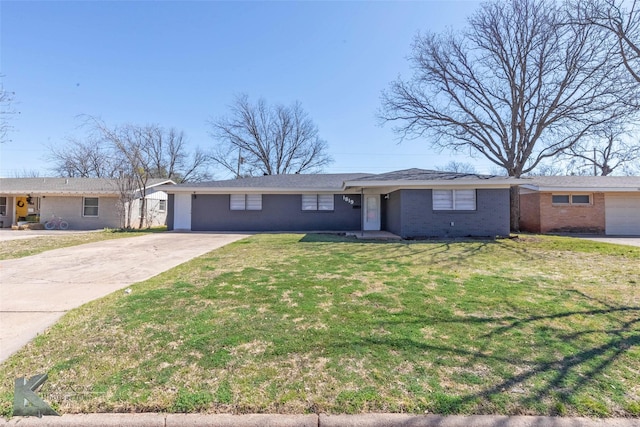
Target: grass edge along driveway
[318,323]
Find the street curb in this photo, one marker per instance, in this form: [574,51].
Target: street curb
[406,420]
[312,420]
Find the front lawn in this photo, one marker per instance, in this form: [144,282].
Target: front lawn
[321,323]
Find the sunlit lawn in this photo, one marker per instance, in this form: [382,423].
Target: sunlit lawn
[320,323]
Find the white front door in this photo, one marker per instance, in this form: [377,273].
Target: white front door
[371,212]
[182,211]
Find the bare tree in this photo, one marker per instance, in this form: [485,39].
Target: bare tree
[258,139]
[620,23]
[83,158]
[27,173]
[612,152]
[132,155]
[6,110]
[458,167]
[517,86]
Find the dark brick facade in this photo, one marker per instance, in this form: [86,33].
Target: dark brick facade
[409,213]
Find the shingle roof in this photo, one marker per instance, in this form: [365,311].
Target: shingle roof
[338,182]
[284,181]
[602,183]
[426,175]
[63,185]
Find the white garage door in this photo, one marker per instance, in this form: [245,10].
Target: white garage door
[622,214]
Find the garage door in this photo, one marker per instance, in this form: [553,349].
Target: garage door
[622,214]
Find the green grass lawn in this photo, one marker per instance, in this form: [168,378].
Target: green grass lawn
[320,323]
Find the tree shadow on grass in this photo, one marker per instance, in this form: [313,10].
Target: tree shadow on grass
[543,376]
[404,248]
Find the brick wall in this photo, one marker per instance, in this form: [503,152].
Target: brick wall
[572,218]
[530,212]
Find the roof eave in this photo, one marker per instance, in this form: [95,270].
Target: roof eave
[249,190]
[574,188]
[476,183]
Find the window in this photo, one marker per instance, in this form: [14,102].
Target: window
[90,207]
[560,199]
[162,205]
[454,200]
[580,199]
[317,202]
[245,202]
[571,199]
[3,206]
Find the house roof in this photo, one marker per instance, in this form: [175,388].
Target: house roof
[583,183]
[21,186]
[431,178]
[296,183]
[271,183]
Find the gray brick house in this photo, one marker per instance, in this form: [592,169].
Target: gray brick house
[411,203]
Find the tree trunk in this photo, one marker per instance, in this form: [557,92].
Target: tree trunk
[515,208]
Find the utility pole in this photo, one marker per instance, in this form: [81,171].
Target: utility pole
[240,161]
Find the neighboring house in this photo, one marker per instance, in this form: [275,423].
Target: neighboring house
[85,203]
[581,204]
[411,203]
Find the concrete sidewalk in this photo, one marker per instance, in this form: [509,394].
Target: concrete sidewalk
[313,420]
[36,291]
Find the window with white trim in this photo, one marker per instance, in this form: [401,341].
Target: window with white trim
[454,200]
[317,202]
[90,206]
[245,202]
[162,205]
[571,199]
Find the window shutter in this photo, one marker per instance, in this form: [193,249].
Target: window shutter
[309,202]
[237,202]
[465,200]
[325,202]
[442,200]
[254,202]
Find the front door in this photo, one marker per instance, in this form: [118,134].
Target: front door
[371,212]
[182,211]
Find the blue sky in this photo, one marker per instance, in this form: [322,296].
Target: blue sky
[180,64]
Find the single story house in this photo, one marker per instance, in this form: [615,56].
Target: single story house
[85,203]
[411,203]
[581,204]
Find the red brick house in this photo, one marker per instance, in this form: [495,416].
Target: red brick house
[581,204]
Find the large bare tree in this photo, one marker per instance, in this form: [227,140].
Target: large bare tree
[517,86]
[620,21]
[260,139]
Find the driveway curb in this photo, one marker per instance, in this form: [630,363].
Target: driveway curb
[312,420]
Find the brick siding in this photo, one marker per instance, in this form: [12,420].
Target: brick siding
[530,212]
[572,218]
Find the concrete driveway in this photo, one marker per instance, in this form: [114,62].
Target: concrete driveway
[619,240]
[36,291]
